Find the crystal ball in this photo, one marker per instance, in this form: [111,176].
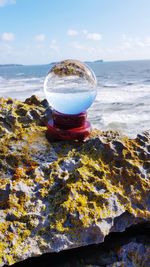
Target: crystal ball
[70,87]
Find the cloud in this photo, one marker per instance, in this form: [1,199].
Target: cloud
[140,43]
[40,37]
[7,2]
[147,41]
[132,42]
[7,36]
[72,32]
[94,36]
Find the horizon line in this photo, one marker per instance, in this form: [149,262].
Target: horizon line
[89,61]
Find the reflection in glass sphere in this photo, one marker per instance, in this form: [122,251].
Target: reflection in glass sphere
[70,87]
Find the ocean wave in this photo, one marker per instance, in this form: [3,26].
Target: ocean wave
[21,87]
[26,79]
[146,81]
[120,84]
[110,85]
[20,74]
[126,128]
[122,103]
[1,78]
[21,81]
[129,83]
[107,96]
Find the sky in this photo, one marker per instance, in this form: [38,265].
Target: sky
[42,31]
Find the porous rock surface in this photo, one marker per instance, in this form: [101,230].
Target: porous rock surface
[62,195]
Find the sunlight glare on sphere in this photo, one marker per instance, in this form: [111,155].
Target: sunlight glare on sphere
[70,87]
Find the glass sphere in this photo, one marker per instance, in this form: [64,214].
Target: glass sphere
[70,87]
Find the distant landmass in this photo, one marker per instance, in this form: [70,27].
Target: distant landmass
[95,61]
[10,65]
[52,63]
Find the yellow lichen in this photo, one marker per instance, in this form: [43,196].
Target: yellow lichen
[73,198]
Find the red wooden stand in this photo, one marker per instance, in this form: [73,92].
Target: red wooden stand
[68,127]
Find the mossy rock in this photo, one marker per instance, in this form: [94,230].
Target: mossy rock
[61,195]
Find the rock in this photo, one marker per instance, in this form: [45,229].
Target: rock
[21,111]
[63,195]
[4,194]
[48,114]
[134,254]
[45,103]
[33,100]
[17,115]
[9,101]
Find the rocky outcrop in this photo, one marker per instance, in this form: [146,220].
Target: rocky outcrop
[62,195]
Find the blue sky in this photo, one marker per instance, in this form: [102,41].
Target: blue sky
[41,31]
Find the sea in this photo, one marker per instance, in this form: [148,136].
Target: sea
[123,92]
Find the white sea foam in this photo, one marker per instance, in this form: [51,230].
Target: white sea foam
[122,103]
[126,94]
[22,87]
[126,109]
